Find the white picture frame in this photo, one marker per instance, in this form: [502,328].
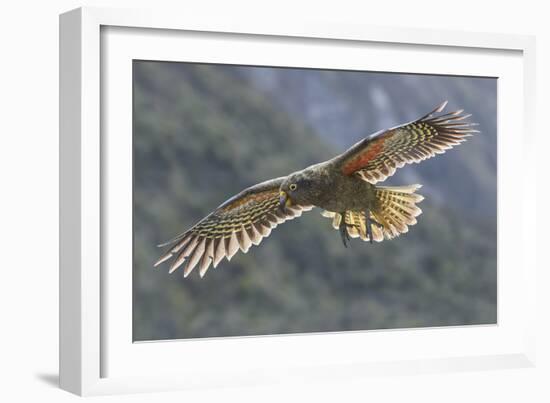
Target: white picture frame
[96,355]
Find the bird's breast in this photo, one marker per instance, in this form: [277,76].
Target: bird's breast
[340,193]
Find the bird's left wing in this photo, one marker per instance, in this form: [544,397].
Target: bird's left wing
[238,223]
[379,155]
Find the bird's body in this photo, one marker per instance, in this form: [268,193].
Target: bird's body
[345,187]
[332,190]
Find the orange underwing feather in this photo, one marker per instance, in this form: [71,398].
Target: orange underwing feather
[362,159]
[379,155]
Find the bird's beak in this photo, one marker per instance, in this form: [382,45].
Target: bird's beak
[284,200]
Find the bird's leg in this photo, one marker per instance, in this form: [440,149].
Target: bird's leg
[369,225]
[344,234]
[343,228]
[369,221]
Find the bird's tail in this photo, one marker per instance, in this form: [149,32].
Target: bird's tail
[395,209]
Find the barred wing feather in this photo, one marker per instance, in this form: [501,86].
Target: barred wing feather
[376,157]
[237,224]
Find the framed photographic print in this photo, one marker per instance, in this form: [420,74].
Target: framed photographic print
[327,200]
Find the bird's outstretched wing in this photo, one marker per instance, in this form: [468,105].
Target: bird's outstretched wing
[242,221]
[379,155]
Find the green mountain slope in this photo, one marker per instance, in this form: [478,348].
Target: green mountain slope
[203,133]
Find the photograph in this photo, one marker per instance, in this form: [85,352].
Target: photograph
[275,200]
[266,202]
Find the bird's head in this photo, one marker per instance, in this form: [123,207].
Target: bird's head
[297,188]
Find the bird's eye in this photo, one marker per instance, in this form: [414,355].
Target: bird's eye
[292,186]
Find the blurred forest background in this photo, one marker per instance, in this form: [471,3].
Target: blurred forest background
[202,133]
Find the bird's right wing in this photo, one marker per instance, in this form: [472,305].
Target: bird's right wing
[379,155]
[238,223]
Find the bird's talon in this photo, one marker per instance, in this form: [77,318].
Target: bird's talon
[344,233]
[346,238]
[369,221]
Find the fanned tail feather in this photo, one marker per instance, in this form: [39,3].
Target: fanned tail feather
[397,209]
[394,212]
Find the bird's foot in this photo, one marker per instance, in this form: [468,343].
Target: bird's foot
[344,232]
[369,221]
